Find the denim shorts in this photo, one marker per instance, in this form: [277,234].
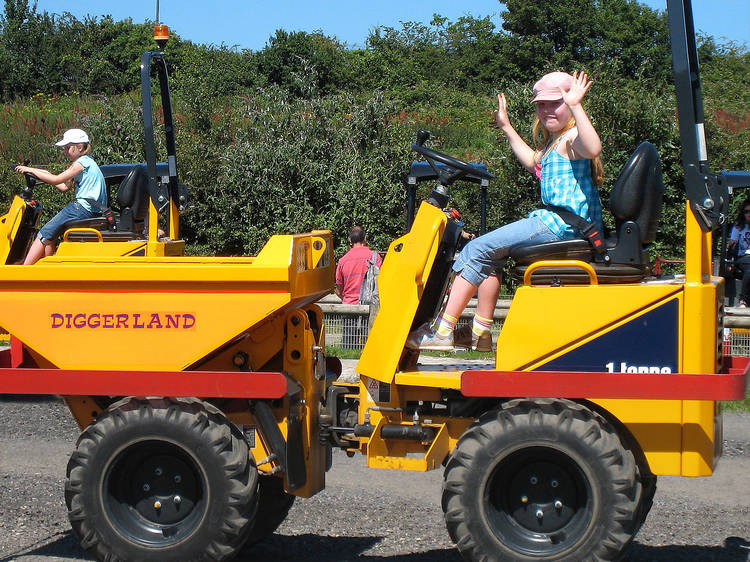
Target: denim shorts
[71,211]
[486,255]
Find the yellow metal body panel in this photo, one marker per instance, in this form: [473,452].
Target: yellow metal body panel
[10,223]
[568,316]
[656,425]
[400,284]
[100,249]
[430,379]
[298,341]
[704,295]
[148,313]
[300,365]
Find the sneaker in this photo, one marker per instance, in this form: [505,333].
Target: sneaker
[742,304]
[425,337]
[464,336]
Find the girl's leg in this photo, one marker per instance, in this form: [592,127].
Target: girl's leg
[37,250]
[461,293]
[477,335]
[479,259]
[489,290]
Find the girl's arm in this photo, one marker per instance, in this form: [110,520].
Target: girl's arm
[525,154]
[587,143]
[62,181]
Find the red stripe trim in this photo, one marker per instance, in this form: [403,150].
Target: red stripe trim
[203,384]
[567,384]
[736,364]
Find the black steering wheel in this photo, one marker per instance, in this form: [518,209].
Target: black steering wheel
[31,181]
[461,168]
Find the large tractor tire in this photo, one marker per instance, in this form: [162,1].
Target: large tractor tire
[647,500]
[161,479]
[538,480]
[273,507]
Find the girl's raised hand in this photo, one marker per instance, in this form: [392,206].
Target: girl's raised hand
[578,89]
[501,113]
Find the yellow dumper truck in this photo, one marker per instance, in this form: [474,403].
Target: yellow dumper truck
[207,404]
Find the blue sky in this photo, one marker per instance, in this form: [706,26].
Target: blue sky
[249,23]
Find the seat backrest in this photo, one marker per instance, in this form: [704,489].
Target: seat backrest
[638,192]
[132,197]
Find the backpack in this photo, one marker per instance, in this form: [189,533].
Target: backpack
[368,291]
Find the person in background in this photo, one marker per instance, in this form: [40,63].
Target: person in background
[739,245]
[352,267]
[84,176]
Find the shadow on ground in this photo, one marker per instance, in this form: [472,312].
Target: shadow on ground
[735,549]
[283,548]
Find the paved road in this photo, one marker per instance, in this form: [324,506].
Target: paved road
[363,514]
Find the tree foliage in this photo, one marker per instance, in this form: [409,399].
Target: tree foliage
[562,35]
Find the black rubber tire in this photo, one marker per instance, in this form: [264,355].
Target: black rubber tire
[516,462]
[273,507]
[647,499]
[142,451]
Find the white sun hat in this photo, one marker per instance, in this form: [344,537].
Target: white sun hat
[73,136]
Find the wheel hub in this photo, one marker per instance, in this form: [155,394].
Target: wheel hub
[537,500]
[545,497]
[154,493]
[163,489]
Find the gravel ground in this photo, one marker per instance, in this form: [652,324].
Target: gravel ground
[363,514]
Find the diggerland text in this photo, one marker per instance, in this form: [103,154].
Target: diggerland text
[152,321]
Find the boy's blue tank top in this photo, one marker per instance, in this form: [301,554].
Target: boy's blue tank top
[90,184]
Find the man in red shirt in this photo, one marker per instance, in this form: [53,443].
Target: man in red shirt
[352,267]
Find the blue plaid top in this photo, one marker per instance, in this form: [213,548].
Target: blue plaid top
[567,184]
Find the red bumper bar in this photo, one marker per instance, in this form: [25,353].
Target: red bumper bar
[554,384]
[202,384]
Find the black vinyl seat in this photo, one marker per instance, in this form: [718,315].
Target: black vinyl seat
[132,202]
[635,203]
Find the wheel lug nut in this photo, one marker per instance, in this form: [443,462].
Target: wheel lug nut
[533,480]
[158,471]
[539,514]
[524,499]
[177,478]
[554,484]
[177,500]
[558,504]
[157,504]
[146,487]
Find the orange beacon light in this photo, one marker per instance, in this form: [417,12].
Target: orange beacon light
[161,35]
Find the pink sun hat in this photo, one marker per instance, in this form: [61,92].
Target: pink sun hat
[548,86]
